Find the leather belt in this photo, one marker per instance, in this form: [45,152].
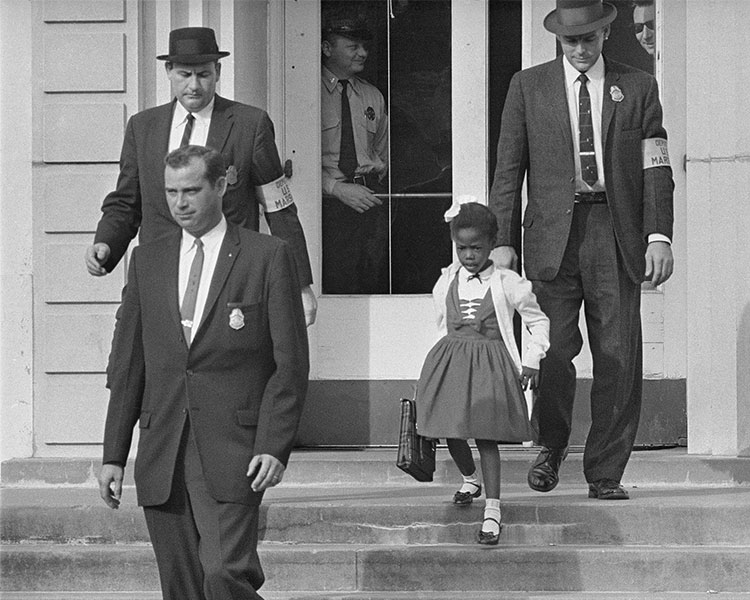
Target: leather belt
[368,180]
[591,198]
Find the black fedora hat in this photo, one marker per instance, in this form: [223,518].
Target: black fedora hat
[577,17]
[192,46]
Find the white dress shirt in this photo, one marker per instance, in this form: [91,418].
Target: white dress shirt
[199,135]
[596,91]
[211,245]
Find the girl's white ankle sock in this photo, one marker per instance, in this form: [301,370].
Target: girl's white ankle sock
[492,511]
[471,483]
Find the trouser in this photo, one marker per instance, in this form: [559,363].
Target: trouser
[592,273]
[355,249]
[205,549]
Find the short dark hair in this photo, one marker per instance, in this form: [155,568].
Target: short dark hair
[213,161]
[477,216]
[637,3]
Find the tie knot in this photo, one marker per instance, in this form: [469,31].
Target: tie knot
[198,244]
[583,78]
[344,83]
[190,117]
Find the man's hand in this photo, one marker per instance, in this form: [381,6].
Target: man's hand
[659,262]
[110,484]
[268,472]
[309,304]
[529,378]
[505,256]
[355,196]
[96,256]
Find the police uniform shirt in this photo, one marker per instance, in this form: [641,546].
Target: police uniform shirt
[370,126]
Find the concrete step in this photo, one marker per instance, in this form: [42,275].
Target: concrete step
[307,595]
[376,467]
[373,568]
[416,514]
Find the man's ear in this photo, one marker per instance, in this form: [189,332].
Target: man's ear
[325,48]
[218,70]
[221,183]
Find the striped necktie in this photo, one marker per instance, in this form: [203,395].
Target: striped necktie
[586,134]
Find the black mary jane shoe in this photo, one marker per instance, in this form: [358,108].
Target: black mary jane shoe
[607,489]
[465,498]
[489,539]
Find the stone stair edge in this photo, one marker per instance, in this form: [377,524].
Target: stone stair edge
[664,467]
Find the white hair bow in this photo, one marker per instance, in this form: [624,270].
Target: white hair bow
[452,212]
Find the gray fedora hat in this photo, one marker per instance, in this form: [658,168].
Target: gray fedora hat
[192,46]
[577,17]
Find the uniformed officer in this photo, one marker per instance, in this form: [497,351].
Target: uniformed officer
[355,163]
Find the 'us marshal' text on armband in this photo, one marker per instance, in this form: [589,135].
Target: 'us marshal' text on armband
[275,195]
[655,153]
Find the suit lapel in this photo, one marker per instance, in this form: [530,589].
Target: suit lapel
[222,119]
[167,267]
[608,105]
[558,100]
[230,249]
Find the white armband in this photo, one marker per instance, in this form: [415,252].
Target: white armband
[655,153]
[276,195]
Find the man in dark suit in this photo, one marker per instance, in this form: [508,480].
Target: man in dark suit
[243,134]
[598,222]
[209,357]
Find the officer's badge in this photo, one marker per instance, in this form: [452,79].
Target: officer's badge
[236,319]
[370,113]
[616,94]
[232,175]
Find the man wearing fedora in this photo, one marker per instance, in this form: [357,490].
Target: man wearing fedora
[197,115]
[586,133]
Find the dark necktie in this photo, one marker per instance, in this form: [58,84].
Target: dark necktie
[586,134]
[347,151]
[188,130]
[187,310]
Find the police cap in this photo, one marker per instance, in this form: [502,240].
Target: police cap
[354,29]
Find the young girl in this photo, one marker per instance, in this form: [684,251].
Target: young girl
[472,380]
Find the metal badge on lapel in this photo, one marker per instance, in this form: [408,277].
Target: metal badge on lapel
[616,94]
[370,113]
[231,175]
[236,319]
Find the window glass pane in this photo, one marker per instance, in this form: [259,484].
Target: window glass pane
[399,246]
[632,38]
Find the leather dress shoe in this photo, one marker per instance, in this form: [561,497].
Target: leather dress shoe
[607,489]
[543,475]
[466,498]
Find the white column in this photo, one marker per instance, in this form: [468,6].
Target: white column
[718,236]
[469,48]
[16,300]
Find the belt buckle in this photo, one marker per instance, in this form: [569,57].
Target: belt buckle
[359,180]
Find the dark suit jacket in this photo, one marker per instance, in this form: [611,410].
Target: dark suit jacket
[243,388]
[245,137]
[536,141]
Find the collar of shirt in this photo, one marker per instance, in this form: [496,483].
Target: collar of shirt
[211,239]
[331,82]
[470,287]
[200,127]
[596,91]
